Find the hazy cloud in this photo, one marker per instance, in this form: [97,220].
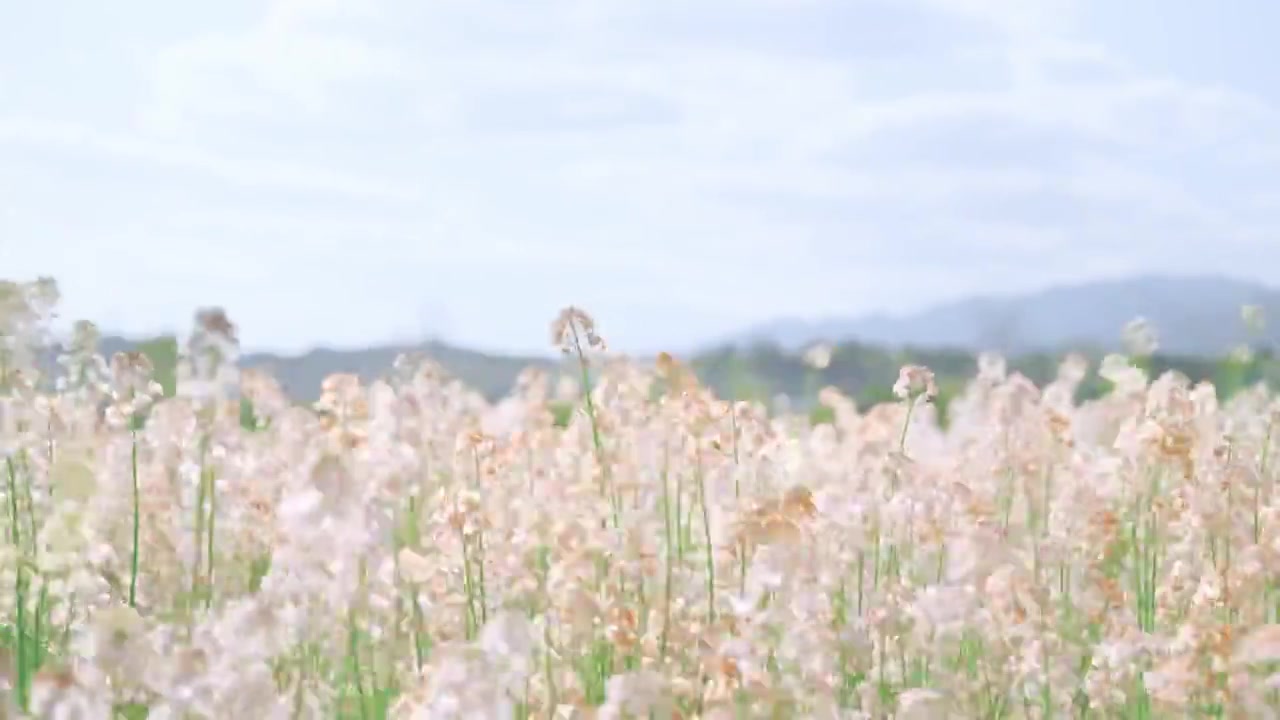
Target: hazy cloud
[346,171]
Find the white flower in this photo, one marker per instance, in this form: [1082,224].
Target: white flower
[1260,646]
[1140,339]
[1120,372]
[508,636]
[992,367]
[72,478]
[413,567]
[915,381]
[1253,317]
[636,694]
[1242,355]
[922,704]
[818,357]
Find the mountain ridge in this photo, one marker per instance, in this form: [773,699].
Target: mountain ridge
[1193,315]
[1197,318]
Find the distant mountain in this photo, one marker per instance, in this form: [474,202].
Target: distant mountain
[1197,315]
[1197,318]
[301,375]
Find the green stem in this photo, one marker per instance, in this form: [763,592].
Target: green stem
[14,533]
[20,592]
[353,649]
[484,602]
[468,586]
[596,441]
[706,534]
[213,519]
[906,424]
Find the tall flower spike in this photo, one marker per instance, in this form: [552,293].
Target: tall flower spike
[210,364]
[574,330]
[818,357]
[915,381]
[1140,339]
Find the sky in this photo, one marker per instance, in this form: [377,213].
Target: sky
[348,172]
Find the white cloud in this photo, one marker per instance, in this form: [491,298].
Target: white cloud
[249,173]
[293,60]
[726,161]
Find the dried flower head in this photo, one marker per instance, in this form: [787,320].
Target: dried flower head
[992,367]
[915,381]
[214,321]
[1140,338]
[819,356]
[574,331]
[130,374]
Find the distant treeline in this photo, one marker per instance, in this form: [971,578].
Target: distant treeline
[760,372]
[867,373]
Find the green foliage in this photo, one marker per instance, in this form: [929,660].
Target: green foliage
[948,389]
[249,419]
[873,395]
[736,375]
[821,415]
[258,569]
[867,373]
[1235,372]
[757,373]
[1093,387]
[163,354]
[562,412]
[132,711]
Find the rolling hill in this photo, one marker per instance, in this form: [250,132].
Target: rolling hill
[301,375]
[1198,320]
[1197,315]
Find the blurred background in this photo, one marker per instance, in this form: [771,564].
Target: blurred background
[729,181]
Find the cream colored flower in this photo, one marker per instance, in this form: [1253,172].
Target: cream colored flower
[923,704]
[915,381]
[818,357]
[72,478]
[1140,339]
[1261,645]
[413,567]
[1253,317]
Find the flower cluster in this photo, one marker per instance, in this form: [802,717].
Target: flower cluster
[406,549]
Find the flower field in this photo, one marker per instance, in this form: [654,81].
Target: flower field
[406,549]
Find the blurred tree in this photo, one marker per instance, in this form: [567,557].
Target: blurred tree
[163,354]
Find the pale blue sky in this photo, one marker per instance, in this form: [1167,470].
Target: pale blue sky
[347,171]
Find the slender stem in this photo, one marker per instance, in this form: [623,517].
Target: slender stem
[15,534]
[353,650]
[1262,475]
[596,441]
[213,518]
[706,535]
[666,518]
[468,585]
[198,562]
[20,586]
[137,524]
[484,602]
[906,424]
